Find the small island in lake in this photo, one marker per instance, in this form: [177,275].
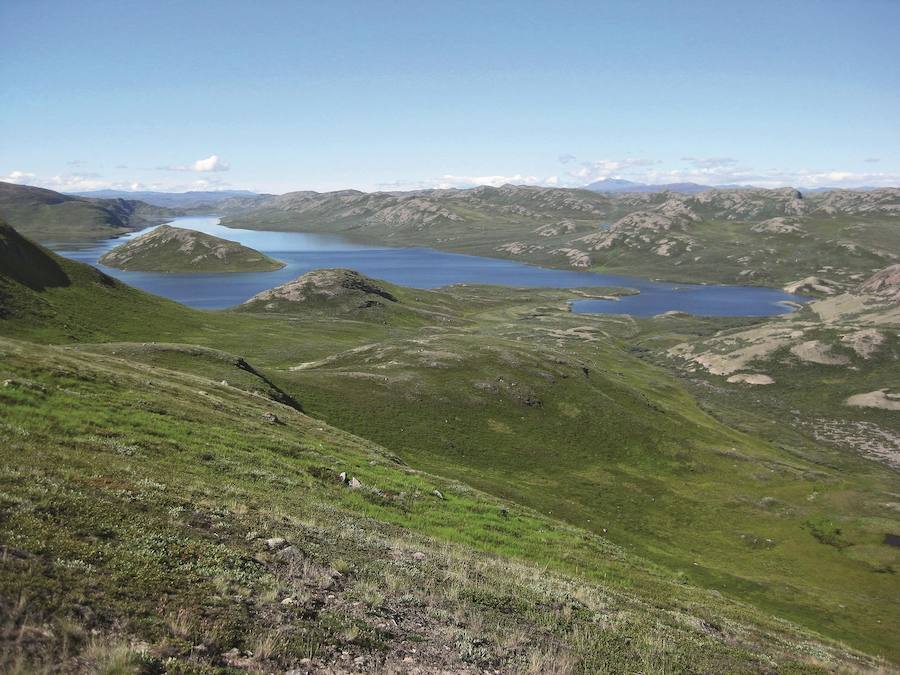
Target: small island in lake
[174,249]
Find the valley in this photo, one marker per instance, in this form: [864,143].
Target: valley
[416,267]
[603,426]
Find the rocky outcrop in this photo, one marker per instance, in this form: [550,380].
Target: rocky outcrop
[875,399]
[815,351]
[325,285]
[812,285]
[777,226]
[885,283]
[751,378]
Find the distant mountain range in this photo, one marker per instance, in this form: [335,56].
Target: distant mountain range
[231,199]
[621,185]
[171,199]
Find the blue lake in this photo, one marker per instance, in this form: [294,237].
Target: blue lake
[419,268]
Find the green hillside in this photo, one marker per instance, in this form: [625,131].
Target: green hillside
[157,519]
[51,216]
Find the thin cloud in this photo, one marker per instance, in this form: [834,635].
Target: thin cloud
[87,182]
[450,181]
[588,172]
[773,178]
[710,162]
[872,160]
[208,164]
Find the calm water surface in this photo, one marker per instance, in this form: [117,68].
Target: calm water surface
[418,268]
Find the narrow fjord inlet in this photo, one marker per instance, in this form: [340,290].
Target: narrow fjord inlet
[468,338]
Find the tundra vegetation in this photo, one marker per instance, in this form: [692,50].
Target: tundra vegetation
[343,473]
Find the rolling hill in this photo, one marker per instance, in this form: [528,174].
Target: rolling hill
[175,249]
[48,215]
[738,236]
[194,200]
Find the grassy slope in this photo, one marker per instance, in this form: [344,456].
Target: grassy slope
[625,450]
[646,490]
[48,215]
[136,501]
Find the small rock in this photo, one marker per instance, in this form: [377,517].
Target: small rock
[290,554]
[275,543]
[24,384]
[252,535]
[418,555]
[289,601]
[271,418]
[355,484]
[224,383]
[438,494]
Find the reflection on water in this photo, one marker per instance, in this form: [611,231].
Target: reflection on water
[419,268]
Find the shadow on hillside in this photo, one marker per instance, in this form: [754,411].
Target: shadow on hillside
[27,263]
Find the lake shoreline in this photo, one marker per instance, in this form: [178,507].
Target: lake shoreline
[426,268]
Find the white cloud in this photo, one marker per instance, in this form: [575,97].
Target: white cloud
[18,177]
[211,163]
[588,172]
[86,182]
[771,178]
[451,181]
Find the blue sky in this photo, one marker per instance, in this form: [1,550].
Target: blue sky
[279,96]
